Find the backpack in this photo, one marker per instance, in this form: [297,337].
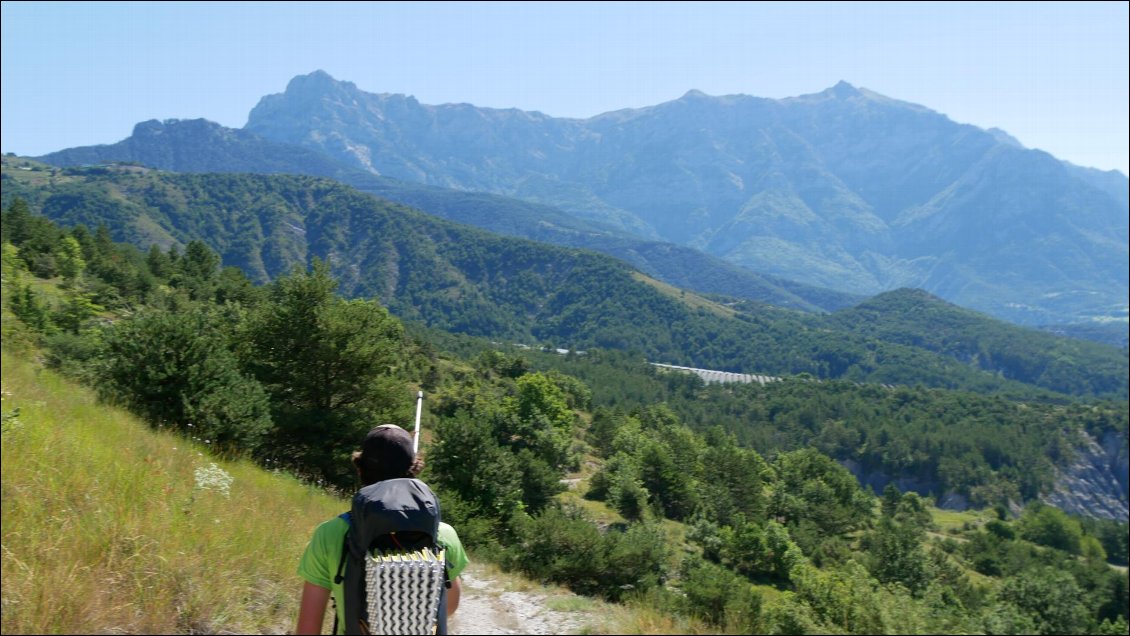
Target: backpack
[392,568]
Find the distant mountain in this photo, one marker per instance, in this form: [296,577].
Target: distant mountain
[461,279]
[198,145]
[1111,182]
[201,146]
[845,189]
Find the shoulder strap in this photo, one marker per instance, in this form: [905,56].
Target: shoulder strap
[341,564]
[344,547]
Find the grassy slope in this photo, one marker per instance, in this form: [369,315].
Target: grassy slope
[105,529]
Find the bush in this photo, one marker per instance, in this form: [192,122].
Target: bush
[719,596]
[560,545]
[173,370]
[1051,527]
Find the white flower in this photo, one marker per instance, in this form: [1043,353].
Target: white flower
[214,478]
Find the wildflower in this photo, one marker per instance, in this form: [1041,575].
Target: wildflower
[214,478]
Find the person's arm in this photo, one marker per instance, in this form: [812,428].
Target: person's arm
[453,594]
[312,610]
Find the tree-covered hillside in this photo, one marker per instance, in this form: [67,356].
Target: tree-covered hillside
[915,318]
[463,279]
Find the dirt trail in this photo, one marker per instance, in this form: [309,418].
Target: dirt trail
[488,607]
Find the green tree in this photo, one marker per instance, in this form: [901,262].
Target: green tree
[912,511]
[1050,599]
[16,225]
[670,485]
[814,487]
[68,258]
[328,366]
[538,417]
[720,597]
[733,480]
[466,459]
[1051,527]
[844,599]
[890,500]
[618,483]
[896,554]
[175,370]
[196,270]
[78,308]
[233,286]
[27,305]
[158,262]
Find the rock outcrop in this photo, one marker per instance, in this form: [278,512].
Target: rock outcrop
[1095,483]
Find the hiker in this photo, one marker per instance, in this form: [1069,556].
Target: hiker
[386,454]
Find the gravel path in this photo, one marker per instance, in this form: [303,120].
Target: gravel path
[486,607]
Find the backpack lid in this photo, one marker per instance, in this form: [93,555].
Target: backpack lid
[405,505]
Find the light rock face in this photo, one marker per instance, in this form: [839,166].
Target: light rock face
[1095,483]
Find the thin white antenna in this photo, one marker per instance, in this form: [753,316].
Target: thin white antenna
[419,406]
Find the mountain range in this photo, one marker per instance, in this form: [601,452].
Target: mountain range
[845,189]
[200,146]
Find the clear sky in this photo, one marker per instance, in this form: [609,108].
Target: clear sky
[1053,75]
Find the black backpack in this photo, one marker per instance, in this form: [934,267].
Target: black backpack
[398,521]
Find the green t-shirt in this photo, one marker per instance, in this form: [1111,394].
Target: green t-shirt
[323,554]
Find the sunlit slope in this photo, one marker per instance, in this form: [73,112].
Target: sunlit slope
[109,526]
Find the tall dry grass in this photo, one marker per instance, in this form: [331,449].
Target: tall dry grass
[111,527]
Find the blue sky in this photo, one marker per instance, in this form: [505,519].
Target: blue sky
[1054,75]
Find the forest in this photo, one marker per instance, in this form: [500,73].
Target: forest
[728,503]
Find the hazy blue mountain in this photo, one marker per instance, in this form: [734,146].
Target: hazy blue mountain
[200,146]
[845,188]
[1111,182]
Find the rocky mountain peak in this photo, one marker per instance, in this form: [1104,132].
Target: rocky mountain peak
[317,82]
[843,90]
[154,128]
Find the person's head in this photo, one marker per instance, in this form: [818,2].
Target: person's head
[386,453]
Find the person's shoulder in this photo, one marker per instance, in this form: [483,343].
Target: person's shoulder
[447,533]
[338,525]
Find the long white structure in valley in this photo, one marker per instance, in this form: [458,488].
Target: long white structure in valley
[710,376]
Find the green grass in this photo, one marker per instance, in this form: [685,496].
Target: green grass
[954,521]
[105,529]
[691,300]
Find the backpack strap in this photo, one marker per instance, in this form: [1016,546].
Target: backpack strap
[338,578]
[344,548]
